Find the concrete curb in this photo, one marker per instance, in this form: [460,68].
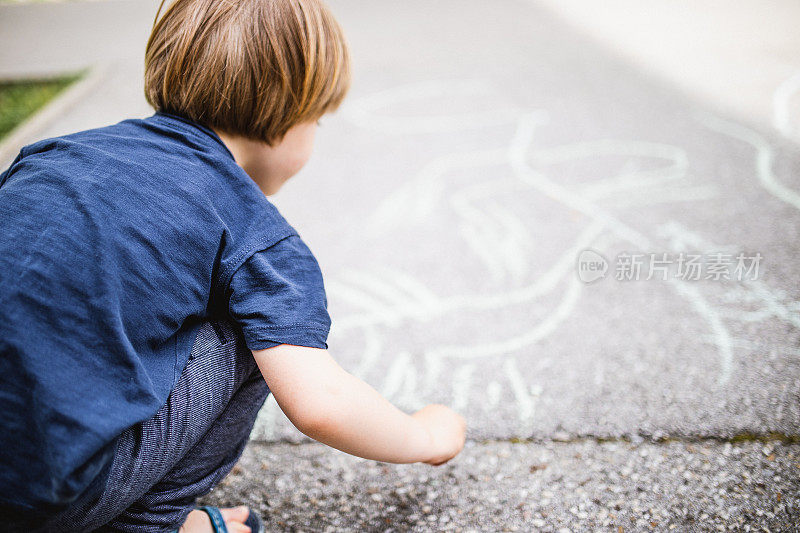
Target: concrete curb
[29,130]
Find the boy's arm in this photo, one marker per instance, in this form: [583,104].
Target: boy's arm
[334,407]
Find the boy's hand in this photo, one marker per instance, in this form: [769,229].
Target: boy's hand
[447,430]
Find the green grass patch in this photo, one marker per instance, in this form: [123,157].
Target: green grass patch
[20,99]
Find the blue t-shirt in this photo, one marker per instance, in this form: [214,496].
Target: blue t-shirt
[116,243]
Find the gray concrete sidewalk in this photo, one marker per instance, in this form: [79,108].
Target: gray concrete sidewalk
[47,38]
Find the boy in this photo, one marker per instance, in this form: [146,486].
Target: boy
[152,297]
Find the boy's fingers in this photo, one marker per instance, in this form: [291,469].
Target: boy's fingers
[237,528]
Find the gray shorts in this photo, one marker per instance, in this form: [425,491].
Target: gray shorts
[162,465]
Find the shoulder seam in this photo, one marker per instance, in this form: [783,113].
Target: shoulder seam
[261,244]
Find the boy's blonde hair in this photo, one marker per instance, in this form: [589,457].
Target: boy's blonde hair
[248,67]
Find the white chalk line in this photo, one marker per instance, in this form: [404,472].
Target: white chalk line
[371,353]
[663,196]
[682,239]
[389,292]
[720,332]
[494,391]
[749,344]
[562,153]
[362,111]
[364,300]
[423,296]
[517,158]
[526,398]
[480,232]
[781,105]
[515,246]
[462,384]
[515,344]
[773,307]
[400,384]
[774,303]
[413,202]
[495,235]
[764,156]
[632,186]
[624,182]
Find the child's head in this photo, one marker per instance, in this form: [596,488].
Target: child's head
[251,69]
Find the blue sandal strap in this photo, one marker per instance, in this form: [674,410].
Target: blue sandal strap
[217,522]
[254,522]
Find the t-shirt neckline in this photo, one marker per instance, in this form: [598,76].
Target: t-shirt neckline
[181,121]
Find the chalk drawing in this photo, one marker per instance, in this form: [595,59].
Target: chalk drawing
[499,238]
[517,154]
[781,105]
[469,185]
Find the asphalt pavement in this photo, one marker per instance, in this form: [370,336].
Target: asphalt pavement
[582,485]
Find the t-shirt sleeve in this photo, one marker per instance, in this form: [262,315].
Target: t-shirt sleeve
[277,296]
